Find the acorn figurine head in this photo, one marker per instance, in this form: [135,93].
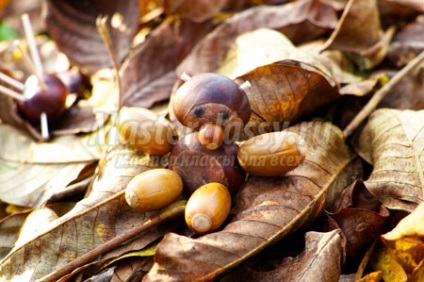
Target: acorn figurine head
[206,100]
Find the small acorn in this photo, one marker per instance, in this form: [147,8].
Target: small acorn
[211,99]
[153,189]
[208,208]
[145,131]
[198,166]
[272,154]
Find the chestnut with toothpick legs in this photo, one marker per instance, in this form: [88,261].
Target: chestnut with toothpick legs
[50,101]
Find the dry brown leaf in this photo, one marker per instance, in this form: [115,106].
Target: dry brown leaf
[148,74]
[266,210]
[39,170]
[359,32]
[407,94]
[72,25]
[74,237]
[392,141]
[408,43]
[209,53]
[284,92]
[360,217]
[195,10]
[9,229]
[320,261]
[116,169]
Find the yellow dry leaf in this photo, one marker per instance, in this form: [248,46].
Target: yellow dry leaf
[411,225]
[372,277]
[387,264]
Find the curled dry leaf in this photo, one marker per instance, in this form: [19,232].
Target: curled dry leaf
[39,170]
[209,53]
[407,93]
[359,32]
[119,166]
[9,230]
[72,25]
[360,216]
[407,44]
[320,261]
[148,74]
[283,92]
[393,141]
[100,217]
[266,209]
[74,237]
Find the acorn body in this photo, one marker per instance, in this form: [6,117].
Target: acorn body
[153,189]
[208,208]
[272,154]
[145,131]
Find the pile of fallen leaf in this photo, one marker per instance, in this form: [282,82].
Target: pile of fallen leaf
[351,212]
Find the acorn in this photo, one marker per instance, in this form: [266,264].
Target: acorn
[272,154]
[153,189]
[212,99]
[208,208]
[145,131]
[198,166]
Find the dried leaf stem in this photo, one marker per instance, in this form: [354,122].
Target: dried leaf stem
[380,94]
[171,211]
[107,39]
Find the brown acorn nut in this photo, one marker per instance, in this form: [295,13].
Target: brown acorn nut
[145,131]
[208,208]
[211,98]
[153,189]
[211,136]
[197,165]
[272,154]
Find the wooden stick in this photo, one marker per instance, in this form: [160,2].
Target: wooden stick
[11,81]
[29,35]
[44,126]
[11,93]
[171,211]
[30,64]
[380,94]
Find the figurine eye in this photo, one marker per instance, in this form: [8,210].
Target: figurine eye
[199,112]
[224,115]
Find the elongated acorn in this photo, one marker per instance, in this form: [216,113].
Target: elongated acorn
[153,189]
[272,154]
[208,208]
[145,131]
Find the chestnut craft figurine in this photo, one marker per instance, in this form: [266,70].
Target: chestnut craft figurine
[198,166]
[211,104]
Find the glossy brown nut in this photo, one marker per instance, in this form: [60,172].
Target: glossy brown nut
[51,100]
[211,98]
[272,154]
[208,208]
[153,189]
[145,131]
[198,166]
